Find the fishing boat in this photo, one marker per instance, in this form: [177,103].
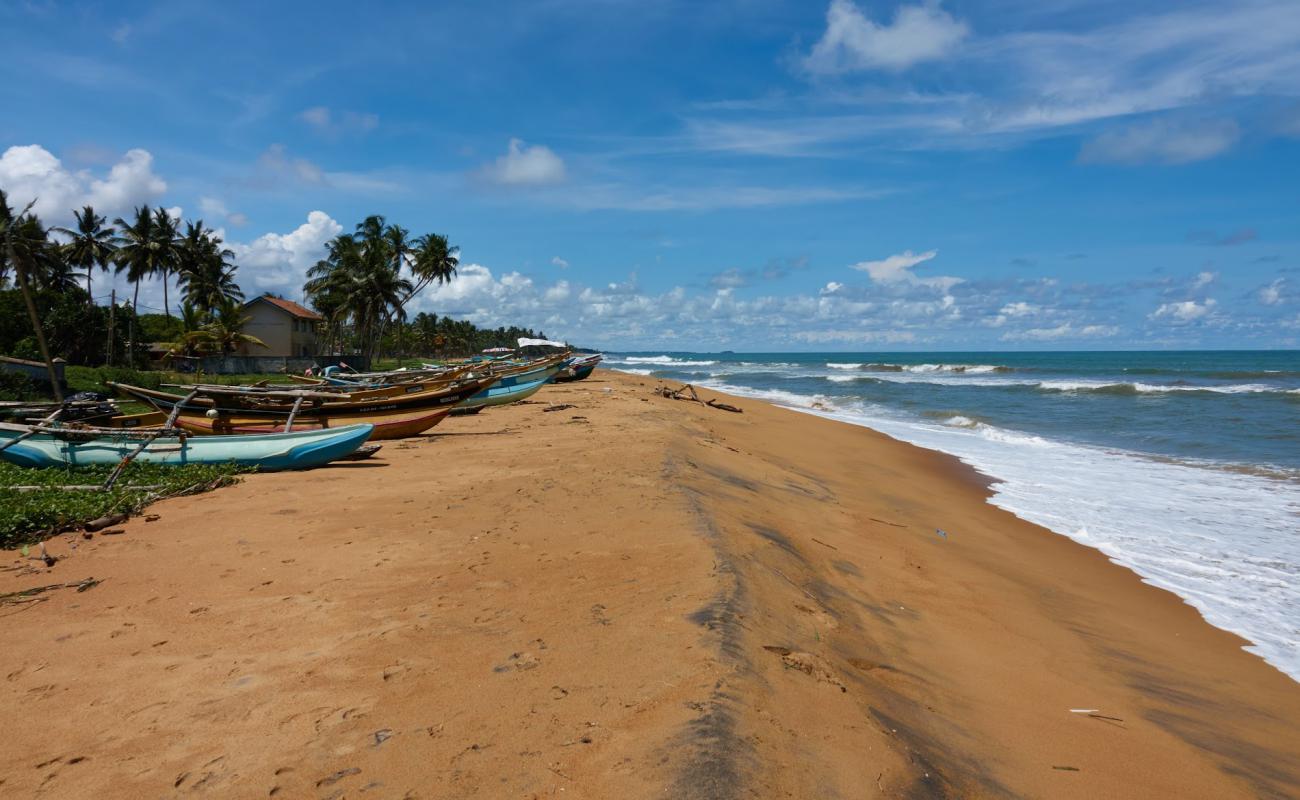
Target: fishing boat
[498,395]
[579,369]
[71,446]
[225,409]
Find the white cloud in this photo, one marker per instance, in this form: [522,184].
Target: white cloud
[1019,309]
[1271,295]
[1162,142]
[897,270]
[523,165]
[1186,311]
[831,288]
[30,172]
[853,42]
[559,262]
[1204,278]
[1065,330]
[856,336]
[280,262]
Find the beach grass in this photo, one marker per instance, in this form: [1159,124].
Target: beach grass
[29,516]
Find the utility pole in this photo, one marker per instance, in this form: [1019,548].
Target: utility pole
[112,321]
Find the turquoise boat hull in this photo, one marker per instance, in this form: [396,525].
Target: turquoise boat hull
[498,395]
[271,451]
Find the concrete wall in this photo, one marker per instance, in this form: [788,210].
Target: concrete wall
[36,371]
[237,364]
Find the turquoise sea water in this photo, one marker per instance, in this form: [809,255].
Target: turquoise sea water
[1184,466]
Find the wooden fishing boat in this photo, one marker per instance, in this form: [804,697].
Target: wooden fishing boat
[579,369]
[229,410]
[71,446]
[498,395]
[147,419]
[305,402]
[393,425]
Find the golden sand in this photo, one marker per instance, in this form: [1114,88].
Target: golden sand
[637,597]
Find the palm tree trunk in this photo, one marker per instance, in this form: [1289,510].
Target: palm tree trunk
[90,298]
[21,275]
[130,330]
[166,310]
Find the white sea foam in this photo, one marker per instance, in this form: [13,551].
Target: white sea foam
[834,365]
[1223,540]
[665,360]
[1155,388]
[841,378]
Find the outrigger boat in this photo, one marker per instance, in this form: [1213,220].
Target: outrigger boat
[579,369]
[76,446]
[226,409]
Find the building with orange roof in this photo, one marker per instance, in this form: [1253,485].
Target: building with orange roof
[289,329]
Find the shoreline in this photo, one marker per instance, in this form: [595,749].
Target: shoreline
[635,596]
[1214,613]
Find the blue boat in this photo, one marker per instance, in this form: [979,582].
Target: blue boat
[498,395]
[272,451]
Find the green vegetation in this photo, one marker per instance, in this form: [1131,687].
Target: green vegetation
[362,289]
[30,516]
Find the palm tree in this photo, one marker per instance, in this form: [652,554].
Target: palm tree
[91,244]
[205,273]
[46,267]
[137,256]
[435,260]
[224,332]
[21,248]
[360,280]
[167,254]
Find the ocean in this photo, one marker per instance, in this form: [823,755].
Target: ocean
[1182,466]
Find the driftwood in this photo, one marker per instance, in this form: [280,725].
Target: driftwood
[106,521]
[30,595]
[560,407]
[687,392]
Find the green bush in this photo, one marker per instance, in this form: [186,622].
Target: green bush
[34,515]
[17,386]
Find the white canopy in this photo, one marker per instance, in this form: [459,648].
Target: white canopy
[525,342]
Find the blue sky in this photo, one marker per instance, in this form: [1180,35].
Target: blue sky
[743,174]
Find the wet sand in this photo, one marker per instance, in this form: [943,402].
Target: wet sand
[636,597]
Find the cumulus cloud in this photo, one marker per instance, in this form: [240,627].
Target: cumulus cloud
[1162,142]
[1065,330]
[855,336]
[276,261]
[1272,294]
[1019,309]
[1203,279]
[559,262]
[853,42]
[1183,312]
[524,165]
[30,172]
[897,270]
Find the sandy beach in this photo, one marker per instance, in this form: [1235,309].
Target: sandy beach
[635,597]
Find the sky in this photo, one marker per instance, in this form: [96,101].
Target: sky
[753,175]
